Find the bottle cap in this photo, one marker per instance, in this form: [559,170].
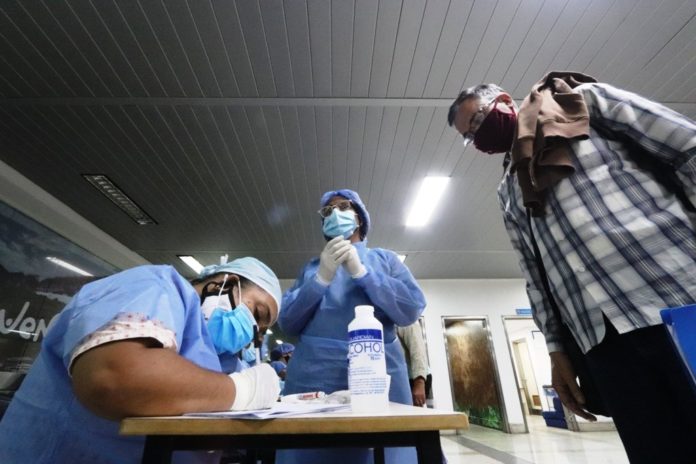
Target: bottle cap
[364,310]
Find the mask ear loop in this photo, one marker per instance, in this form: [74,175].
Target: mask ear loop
[222,287]
[239,286]
[495,104]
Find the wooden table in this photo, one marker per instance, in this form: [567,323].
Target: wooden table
[401,425]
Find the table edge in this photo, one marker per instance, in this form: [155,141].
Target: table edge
[183,425]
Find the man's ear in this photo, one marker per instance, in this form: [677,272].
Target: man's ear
[504,97]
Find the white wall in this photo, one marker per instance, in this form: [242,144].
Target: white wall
[487,298]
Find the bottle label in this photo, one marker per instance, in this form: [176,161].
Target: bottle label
[365,342]
[367,371]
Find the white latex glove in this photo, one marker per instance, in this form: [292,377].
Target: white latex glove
[353,264]
[257,388]
[333,254]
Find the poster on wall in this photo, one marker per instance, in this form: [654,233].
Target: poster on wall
[40,271]
[472,368]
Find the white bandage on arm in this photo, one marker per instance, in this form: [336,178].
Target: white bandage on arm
[244,392]
[257,388]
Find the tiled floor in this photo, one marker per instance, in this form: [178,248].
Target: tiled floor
[543,445]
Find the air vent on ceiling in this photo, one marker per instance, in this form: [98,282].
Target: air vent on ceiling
[115,194]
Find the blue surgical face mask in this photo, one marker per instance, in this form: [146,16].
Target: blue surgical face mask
[249,354]
[340,223]
[231,330]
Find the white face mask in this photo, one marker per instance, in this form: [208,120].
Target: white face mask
[221,301]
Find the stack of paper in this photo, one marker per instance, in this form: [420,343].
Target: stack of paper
[277,410]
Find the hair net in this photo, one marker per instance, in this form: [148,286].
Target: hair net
[252,269]
[357,202]
[279,366]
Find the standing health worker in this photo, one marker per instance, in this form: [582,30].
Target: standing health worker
[321,304]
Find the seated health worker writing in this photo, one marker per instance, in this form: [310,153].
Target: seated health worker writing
[321,304]
[137,344]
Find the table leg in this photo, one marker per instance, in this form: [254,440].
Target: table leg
[250,457]
[428,447]
[158,450]
[379,454]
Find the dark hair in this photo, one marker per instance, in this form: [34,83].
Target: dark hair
[486,92]
[243,281]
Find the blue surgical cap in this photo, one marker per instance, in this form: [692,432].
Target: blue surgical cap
[252,269]
[282,349]
[279,366]
[357,203]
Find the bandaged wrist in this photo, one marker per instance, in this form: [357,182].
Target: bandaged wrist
[243,394]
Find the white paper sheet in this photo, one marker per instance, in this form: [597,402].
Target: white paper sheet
[277,410]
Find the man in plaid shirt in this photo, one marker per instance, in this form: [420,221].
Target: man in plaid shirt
[617,245]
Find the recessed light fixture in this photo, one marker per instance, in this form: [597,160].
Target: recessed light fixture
[402,258]
[116,195]
[69,266]
[429,195]
[191,262]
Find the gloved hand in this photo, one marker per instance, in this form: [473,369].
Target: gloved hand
[257,388]
[333,254]
[353,264]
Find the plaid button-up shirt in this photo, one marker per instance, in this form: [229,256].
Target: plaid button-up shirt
[614,241]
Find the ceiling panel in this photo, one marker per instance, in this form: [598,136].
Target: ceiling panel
[409,32]
[226,120]
[320,26]
[388,17]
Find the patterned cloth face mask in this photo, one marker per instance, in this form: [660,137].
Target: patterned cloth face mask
[497,131]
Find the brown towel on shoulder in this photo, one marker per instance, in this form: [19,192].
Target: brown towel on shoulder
[549,117]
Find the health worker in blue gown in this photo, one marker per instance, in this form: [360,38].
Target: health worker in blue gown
[143,342]
[321,304]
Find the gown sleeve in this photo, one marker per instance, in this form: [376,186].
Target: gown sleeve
[149,296]
[394,291]
[301,301]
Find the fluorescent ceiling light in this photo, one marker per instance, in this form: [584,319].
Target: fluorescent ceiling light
[279,342]
[69,266]
[120,199]
[192,263]
[269,331]
[429,195]
[402,258]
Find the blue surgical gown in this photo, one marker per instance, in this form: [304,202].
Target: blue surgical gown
[320,316]
[45,423]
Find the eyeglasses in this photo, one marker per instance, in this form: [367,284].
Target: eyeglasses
[475,122]
[341,205]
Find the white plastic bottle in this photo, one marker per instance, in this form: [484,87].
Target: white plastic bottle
[367,369]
